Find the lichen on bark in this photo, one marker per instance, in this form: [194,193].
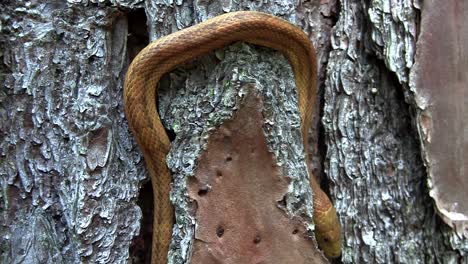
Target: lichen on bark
[186,110]
[70,170]
[373,156]
[68,185]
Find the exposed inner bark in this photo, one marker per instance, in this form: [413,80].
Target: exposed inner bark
[237,187]
[440,81]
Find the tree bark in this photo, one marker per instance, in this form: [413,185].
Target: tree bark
[71,172]
[70,177]
[373,157]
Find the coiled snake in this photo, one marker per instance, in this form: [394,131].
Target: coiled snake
[170,51]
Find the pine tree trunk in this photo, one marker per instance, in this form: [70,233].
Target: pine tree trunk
[74,185]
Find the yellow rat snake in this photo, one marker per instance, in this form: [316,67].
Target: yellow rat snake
[170,51]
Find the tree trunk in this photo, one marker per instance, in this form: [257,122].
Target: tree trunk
[71,172]
[373,154]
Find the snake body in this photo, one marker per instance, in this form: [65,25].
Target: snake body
[170,51]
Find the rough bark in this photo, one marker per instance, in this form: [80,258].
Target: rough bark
[69,174]
[192,116]
[373,156]
[71,171]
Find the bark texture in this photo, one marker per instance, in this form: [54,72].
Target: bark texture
[440,81]
[191,115]
[241,193]
[69,175]
[373,156]
[70,171]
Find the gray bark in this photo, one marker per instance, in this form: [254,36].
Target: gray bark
[212,100]
[373,156]
[71,171]
[69,184]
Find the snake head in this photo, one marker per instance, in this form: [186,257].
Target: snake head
[328,233]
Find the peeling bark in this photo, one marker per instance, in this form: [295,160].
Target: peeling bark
[71,172]
[192,116]
[373,156]
[238,191]
[440,81]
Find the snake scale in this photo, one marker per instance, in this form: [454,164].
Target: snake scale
[168,52]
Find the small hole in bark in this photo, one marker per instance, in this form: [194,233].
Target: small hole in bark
[219,174]
[295,231]
[57,217]
[229,158]
[91,59]
[203,191]
[257,239]
[219,231]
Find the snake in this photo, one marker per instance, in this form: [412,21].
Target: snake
[168,52]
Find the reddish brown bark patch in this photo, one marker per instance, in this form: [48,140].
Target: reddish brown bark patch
[441,80]
[237,187]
